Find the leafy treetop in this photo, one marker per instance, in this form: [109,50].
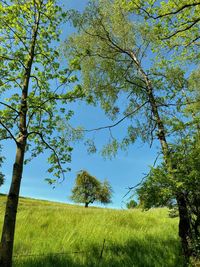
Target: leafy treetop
[88,189]
[29,54]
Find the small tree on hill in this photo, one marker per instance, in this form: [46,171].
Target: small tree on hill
[88,189]
[131,204]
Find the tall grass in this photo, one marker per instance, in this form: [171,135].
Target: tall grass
[132,237]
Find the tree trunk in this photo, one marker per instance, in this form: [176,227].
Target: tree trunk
[184,220]
[7,239]
[86,205]
[184,223]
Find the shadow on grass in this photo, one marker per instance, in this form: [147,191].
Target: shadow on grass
[150,253]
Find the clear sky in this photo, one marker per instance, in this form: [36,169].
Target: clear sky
[125,170]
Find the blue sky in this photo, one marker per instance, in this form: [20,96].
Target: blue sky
[125,170]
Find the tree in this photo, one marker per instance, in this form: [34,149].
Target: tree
[114,52]
[131,204]
[157,190]
[33,95]
[88,189]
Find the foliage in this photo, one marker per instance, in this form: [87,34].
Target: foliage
[107,35]
[131,204]
[88,189]
[105,192]
[132,238]
[48,78]
[176,24]
[158,190]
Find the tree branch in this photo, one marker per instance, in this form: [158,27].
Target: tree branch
[118,122]
[168,13]
[2,103]
[143,178]
[17,35]
[181,30]
[135,186]
[51,148]
[10,133]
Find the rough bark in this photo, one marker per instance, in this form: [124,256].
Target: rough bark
[7,239]
[184,225]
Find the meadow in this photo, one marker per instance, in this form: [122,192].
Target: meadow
[50,234]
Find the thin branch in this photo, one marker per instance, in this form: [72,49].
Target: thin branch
[143,52]
[2,103]
[169,13]
[118,122]
[51,148]
[12,59]
[133,83]
[133,187]
[70,98]
[10,133]
[193,41]
[143,178]
[182,30]
[17,35]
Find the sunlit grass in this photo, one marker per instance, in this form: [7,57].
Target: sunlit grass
[132,238]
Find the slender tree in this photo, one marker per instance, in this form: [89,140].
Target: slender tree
[115,54]
[32,95]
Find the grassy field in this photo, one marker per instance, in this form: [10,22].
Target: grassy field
[132,237]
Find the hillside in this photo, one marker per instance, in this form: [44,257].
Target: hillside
[54,234]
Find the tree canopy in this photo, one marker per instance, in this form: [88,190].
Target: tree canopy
[113,53]
[176,24]
[157,189]
[88,189]
[131,204]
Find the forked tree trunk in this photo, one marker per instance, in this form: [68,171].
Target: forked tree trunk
[7,239]
[184,223]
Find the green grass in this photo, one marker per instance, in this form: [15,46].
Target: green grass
[132,238]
